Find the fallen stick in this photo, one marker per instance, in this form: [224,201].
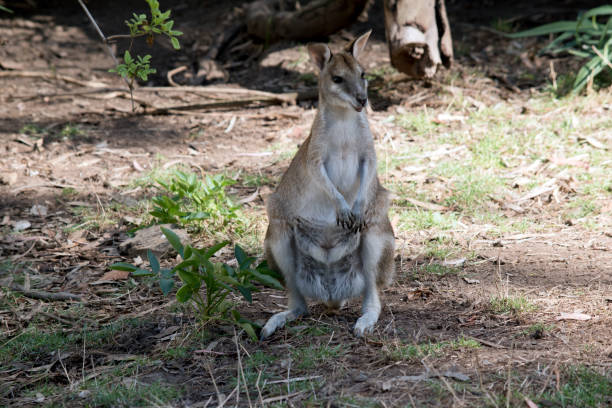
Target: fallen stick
[487,343]
[45,185]
[50,75]
[285,97]
[212,105]
[37,294]
[282,397]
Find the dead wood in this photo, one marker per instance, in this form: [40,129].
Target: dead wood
[50,75]
[270,21]
[41,295]
[419,37]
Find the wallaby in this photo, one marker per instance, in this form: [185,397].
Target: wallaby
[329,232]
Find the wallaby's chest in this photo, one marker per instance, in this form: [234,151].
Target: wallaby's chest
[343,153]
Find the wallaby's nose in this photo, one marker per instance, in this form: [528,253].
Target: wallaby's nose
[362,100]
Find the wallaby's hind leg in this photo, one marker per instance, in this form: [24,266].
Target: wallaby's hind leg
[281,255]
[377,245]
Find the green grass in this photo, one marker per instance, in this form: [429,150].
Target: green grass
[176,353]
[114,392]
[311,329]
[34,343]
[414,219]
[440,247]
[437,269]
[309,357]
[580,386]
[511,304]
[418,123]
[415,352]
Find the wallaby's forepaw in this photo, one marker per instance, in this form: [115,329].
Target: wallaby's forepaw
[360,224]
[345,218]
[365,324]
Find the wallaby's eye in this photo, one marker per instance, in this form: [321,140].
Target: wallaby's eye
[337,79]
[362,75]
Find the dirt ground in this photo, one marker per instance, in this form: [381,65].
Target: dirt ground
[76,148]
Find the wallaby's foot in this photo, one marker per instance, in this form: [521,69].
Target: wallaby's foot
[365,324]
[278,320]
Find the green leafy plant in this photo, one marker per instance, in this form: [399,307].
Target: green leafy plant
[589,37]
[217,280]
[134,68]
[158,23]
[188,198]
[140,25]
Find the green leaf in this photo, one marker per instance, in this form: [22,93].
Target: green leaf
[175,43]
[6,9]
[127,57]
[167,273]
[599,11]
[188,263]
[200,215]
[153,261]
[556,27]
[190,279]
[188,251]
[184,293]
[246,293]
[174,240]
[123,266]
[590,69]
[215,248]
[249,330]
[240,255]
[142,272]
[245,324]
[267,280]
[166,285]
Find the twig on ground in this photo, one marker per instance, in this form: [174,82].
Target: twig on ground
[487,343]
[173,72]
[45,185]
[50,75]
[282,397]
[36,294]
[294,379]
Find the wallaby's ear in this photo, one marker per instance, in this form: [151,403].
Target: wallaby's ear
[356,46]
[320,54]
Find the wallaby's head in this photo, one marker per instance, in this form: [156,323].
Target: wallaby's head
[342,81]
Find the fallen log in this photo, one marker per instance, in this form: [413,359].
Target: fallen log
[272,20]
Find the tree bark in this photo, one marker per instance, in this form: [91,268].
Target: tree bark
[269,20]
[419,37]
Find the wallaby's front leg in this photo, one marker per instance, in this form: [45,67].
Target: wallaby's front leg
[366,176]
[279,248]
[344,215]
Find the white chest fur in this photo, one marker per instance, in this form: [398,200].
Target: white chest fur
[345,136]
